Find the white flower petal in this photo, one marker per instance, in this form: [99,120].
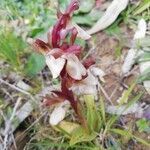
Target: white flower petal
[74,67]
[90,79]
[55,65]
[87,85]
[57,115]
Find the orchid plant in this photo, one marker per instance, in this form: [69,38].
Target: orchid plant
[63,57]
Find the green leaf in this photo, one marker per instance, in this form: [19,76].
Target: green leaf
[11,47]
[88,19]
[36,31]
[95,14]
[80,135]
[142,141]
[144,42]
[102,109]
[46,144]
[35,64]
[126,94]
[83,20]
[86,6]
[113,119]
[63,4]
[144,57]
[80,42]
[143,6]
[114,28]
[92,114]
[144,76]
[128,134]
[118,51]
[66,127]
[143,125]
[122,132]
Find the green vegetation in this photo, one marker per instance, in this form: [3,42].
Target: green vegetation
[25,20]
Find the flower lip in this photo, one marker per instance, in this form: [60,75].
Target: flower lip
[74,67]
[55,65]
[57,115]
[89,84]
[59,112]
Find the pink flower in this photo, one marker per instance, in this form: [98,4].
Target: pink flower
[74,67]
[60,53]
[90,84]
[55,65]
[62,57]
